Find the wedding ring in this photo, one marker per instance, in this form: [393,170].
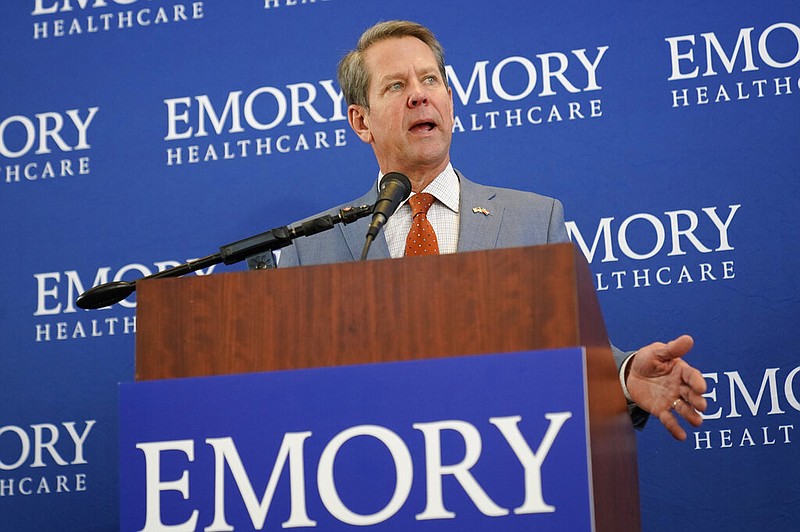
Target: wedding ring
[675,403]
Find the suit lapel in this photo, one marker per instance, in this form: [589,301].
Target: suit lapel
[356,232]
[477,230]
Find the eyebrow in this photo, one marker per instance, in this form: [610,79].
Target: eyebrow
[394,76]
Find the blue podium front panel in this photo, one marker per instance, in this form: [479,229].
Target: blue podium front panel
[494,442]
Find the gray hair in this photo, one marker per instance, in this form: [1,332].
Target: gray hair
[354,77]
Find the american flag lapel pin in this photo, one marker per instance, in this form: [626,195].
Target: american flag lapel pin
[480,210]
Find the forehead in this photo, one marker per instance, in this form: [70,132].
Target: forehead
[394,56]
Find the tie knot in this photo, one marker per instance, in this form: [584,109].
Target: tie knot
[420,203]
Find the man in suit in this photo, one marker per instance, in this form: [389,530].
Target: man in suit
[400,103]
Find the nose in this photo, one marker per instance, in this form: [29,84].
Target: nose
[417,95]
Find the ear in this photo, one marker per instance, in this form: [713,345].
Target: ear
[358,117]
[452,108]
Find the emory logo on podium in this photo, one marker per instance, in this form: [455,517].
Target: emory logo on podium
[291,456]
[440,441]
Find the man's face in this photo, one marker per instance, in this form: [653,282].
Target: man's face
[410,120]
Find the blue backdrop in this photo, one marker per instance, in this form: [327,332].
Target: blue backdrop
[138,134]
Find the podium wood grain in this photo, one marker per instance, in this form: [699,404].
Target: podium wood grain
[496,301]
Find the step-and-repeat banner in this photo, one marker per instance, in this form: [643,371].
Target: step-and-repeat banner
[138,134]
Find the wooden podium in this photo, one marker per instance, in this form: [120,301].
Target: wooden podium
[497,301]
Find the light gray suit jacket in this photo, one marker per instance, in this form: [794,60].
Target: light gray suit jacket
[516,219]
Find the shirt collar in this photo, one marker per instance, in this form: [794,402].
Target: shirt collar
[446,188]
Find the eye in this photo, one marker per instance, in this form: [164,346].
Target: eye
[430,80]
[396,86]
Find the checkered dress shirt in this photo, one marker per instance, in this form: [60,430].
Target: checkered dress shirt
[443,215]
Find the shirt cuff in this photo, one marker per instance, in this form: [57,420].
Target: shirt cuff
[622,369]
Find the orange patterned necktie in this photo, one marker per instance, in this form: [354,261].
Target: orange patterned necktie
[421,238]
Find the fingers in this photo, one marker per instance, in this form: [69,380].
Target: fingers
[688,412]
[668,385]
[672,425]
[695,400]
[652,358]
[684,409]
[692,387]
[693,379]
[679,346]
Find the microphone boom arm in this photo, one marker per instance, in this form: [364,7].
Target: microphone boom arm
[109,293]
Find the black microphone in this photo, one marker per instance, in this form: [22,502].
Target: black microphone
[394,189]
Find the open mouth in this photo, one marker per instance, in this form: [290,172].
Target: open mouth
[423,127]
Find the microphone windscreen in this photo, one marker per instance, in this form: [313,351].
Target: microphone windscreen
[396,179]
